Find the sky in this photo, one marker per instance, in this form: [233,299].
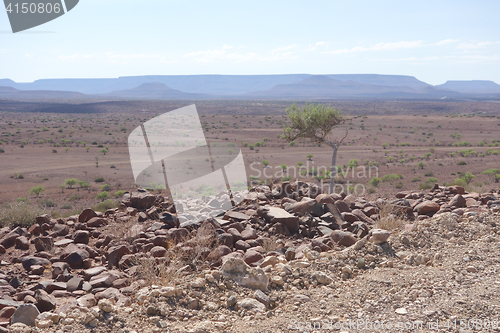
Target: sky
[434,41]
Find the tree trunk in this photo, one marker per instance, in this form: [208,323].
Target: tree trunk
[333,170]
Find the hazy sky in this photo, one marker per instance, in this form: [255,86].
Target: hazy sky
[434,41]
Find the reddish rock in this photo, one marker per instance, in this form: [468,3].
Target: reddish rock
[5,315]
[42,219]
[35,229]
[81,237]
[140,199]
[115,253]
[470,202]
[458,201]
[22,243]
[325,198]
[60,229]
[44,243]
[362,216]
[236,225]
[241,245]
[226,239]
[342,206]
[235,233]
[249,233]
[427,207]
[343,238]
[86,215]
[218,253]
[74,255]
[31,261]
[306,207]
[252,256]
[349,217]
[96,222]
[158,251]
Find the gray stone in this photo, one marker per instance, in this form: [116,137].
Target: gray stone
[25,314]
[244,275]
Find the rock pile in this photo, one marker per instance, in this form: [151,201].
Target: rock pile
[85,269]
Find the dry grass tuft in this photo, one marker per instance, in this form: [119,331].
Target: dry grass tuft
[19,213]
[183,256]
[390,217]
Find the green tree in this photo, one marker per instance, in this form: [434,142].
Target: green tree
[71,182]
[467,177]
[491,173]
[83,184]
[316,123]
[284,167]
[266,163]
[104,151]
[309,156]
[37,190]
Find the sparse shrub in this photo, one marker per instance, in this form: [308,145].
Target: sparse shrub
[391,177]
[103,196]
[352,163]
[74,197]
[461,163]
[99,180]
[424,186]
[2,150]
[286,178]
[375,181]
[106,187]
[429,174]
[416,179]
[398,185]
[66,206]
[458,182]
[113,166]
[105,205]
[54,151]
[118,194]
[48,203]
[432,180]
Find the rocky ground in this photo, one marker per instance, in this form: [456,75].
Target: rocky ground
[287,259]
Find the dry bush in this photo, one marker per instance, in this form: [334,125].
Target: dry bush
[19,213]
[183,255]
[270,243]
[391,217]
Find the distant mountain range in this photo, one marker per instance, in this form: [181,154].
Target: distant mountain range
[280,87]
